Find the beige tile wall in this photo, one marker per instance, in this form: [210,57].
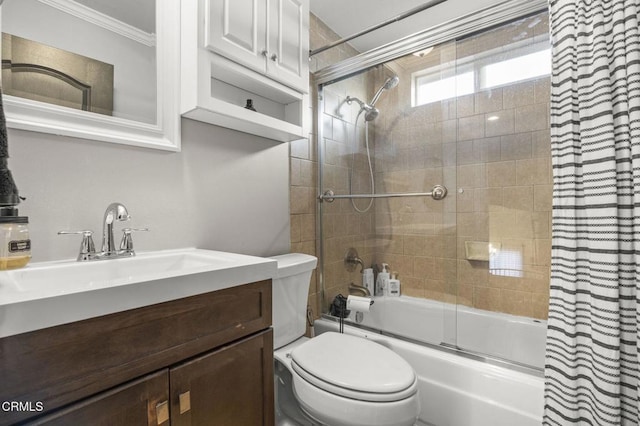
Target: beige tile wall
[304,164]
[344,145]
[498,173]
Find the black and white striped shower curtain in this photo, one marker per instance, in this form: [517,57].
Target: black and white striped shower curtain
[591,373]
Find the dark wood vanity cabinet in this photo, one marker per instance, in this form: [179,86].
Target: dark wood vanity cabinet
[226,387]
[201,360]
[140,402]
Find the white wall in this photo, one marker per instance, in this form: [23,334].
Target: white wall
[226,191]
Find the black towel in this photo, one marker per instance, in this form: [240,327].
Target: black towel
[4,146]
[8,189]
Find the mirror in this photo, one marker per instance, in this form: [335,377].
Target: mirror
[97,69]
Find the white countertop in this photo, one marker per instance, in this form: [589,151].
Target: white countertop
[46,294]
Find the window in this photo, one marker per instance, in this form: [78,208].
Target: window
[499,67]
[432,89]
[520,68]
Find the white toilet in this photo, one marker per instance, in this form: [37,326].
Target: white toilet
[333,379]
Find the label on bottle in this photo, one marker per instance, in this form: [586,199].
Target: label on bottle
[16,246]
[394,288]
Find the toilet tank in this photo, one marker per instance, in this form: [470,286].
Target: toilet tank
[289,296]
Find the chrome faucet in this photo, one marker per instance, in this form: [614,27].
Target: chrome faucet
[115,211]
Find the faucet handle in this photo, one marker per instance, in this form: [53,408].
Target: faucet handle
[87,247]
[126,244]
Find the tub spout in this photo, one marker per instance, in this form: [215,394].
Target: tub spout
[362,290]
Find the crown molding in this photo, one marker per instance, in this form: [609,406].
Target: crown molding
[90,15]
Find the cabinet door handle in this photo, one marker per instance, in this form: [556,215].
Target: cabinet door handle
[274,57]
[185,402]
[162,412]
[264,53]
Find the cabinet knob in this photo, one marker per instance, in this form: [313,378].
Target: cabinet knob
[264,53]
[274,57]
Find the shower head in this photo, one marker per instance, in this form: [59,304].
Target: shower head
[370,112]
[389,84]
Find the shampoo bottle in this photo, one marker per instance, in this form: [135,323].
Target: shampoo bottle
[367,280]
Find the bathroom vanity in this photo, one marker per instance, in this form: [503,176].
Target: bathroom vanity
[201,360]
[195,348]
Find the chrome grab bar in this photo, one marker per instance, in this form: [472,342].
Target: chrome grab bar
[438,192]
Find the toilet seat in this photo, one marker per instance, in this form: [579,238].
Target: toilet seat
[355,368]
[344,380]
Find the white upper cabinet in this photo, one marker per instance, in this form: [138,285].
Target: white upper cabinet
[288,49]
[238,50]
[268,36]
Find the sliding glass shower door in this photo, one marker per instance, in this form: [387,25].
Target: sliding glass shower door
[470,115]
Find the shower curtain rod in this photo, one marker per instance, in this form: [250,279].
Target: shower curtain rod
[437,193]
[404,15]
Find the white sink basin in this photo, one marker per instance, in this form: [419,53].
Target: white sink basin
[51,293]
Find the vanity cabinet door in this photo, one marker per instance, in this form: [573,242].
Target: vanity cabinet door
[230,386]
[142,402]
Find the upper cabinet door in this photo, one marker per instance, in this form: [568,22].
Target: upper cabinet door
[237,29]
[288,49]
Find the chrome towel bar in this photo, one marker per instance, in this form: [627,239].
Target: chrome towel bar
[438,192]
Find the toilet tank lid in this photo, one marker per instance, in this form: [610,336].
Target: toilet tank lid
[294,264]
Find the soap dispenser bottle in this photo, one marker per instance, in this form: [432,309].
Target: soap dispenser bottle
[382,282]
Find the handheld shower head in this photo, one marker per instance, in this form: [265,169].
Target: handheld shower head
[389,84]
[370,111]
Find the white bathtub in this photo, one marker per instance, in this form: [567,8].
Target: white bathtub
[456,390]
[513,338]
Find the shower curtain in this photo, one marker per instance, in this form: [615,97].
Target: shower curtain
[591,371]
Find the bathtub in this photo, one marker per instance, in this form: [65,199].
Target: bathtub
[520,340]
[457,390]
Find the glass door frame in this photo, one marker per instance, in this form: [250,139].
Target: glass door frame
[482,19]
